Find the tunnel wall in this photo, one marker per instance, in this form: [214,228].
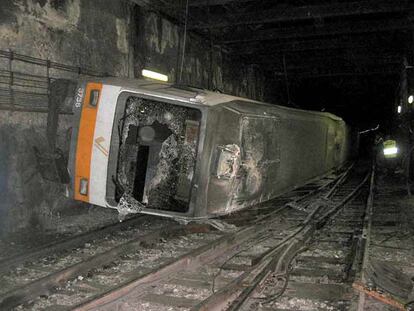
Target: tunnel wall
[159,48]
[108,36]
[77,32]
[27,199]
[81,33]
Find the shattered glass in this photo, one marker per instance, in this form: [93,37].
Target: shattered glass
[170,135]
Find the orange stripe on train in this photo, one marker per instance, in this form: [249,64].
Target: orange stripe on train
[85,140]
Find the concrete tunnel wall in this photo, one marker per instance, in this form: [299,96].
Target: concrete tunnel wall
[108,36]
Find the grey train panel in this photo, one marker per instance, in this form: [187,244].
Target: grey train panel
[279,149]
[250,152]
[247,152]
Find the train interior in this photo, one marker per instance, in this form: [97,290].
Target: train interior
[157,154]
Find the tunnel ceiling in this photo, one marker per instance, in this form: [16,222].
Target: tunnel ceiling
[346,57]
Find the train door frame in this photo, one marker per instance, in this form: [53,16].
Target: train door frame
[114,151]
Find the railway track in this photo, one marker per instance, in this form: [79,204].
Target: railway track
[62,245]
[320,276]
[230,282]
[107,270]
[284,280]
[385,278]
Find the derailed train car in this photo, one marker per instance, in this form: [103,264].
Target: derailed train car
[155,148]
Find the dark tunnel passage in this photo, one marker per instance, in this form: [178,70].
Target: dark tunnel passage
[363,102]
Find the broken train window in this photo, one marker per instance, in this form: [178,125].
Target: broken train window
[157,154]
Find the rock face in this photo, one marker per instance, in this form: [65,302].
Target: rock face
[113,37]
[77,32]
[27,199]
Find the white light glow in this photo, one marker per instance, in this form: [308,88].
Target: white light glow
[410,99]
[399,109]
[390,151]
[154,75]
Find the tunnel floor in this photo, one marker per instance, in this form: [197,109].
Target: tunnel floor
[392,234]
[389,251]
[69,221]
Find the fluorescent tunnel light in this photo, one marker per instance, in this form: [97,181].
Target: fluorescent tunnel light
[410,99]
[154,75]
[399,109]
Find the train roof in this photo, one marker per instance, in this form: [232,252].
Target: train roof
[190,94]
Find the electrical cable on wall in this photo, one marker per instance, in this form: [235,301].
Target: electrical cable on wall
[286,79]
[184,44]
[210,79]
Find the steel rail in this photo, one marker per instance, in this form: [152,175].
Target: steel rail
[66,244]
[280,265]
[192,260]
[276,260]
[365,238]
[311,215]
[46,284]
[225,246]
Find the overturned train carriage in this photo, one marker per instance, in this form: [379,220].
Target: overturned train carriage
[141,146]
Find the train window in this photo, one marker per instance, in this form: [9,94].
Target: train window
[158,152]
[93,98]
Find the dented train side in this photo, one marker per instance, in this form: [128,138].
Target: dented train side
[274,148]
[177,152]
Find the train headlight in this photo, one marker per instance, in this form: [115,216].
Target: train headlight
[390,151]
[83,187]
[93,98]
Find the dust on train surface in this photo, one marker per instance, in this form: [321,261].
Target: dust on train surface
[156,148]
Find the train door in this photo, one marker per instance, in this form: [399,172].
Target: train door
[330,147]
[334,146]
[260,156]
